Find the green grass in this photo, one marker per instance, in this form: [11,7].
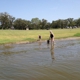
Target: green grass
[77,35]
[12,36]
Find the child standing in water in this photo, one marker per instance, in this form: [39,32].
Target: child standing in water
[39,37]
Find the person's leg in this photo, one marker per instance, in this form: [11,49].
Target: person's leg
[52,51]
[52,41]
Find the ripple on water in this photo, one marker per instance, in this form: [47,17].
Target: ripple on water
[34,61]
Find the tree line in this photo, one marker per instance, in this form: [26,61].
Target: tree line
[9,22]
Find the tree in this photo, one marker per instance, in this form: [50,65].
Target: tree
[70,21]
[35,23]
[43,23]
[6,20]
[20,24]
[77,22]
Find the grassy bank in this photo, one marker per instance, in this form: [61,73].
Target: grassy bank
[11,36]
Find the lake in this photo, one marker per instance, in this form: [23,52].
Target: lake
[39,61]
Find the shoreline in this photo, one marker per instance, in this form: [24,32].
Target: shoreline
[27,42]
[69,38]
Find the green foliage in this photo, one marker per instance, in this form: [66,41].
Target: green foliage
[9,22]
[6,20]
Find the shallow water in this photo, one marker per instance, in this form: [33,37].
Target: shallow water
[41,61]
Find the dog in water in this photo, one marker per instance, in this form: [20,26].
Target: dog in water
[48,41]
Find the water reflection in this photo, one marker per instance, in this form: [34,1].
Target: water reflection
[26,63]
[39,43]
[5,49]
[52,51]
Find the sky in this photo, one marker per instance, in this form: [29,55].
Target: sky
[50,10]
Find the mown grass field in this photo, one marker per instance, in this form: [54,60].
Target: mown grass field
[12,36]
